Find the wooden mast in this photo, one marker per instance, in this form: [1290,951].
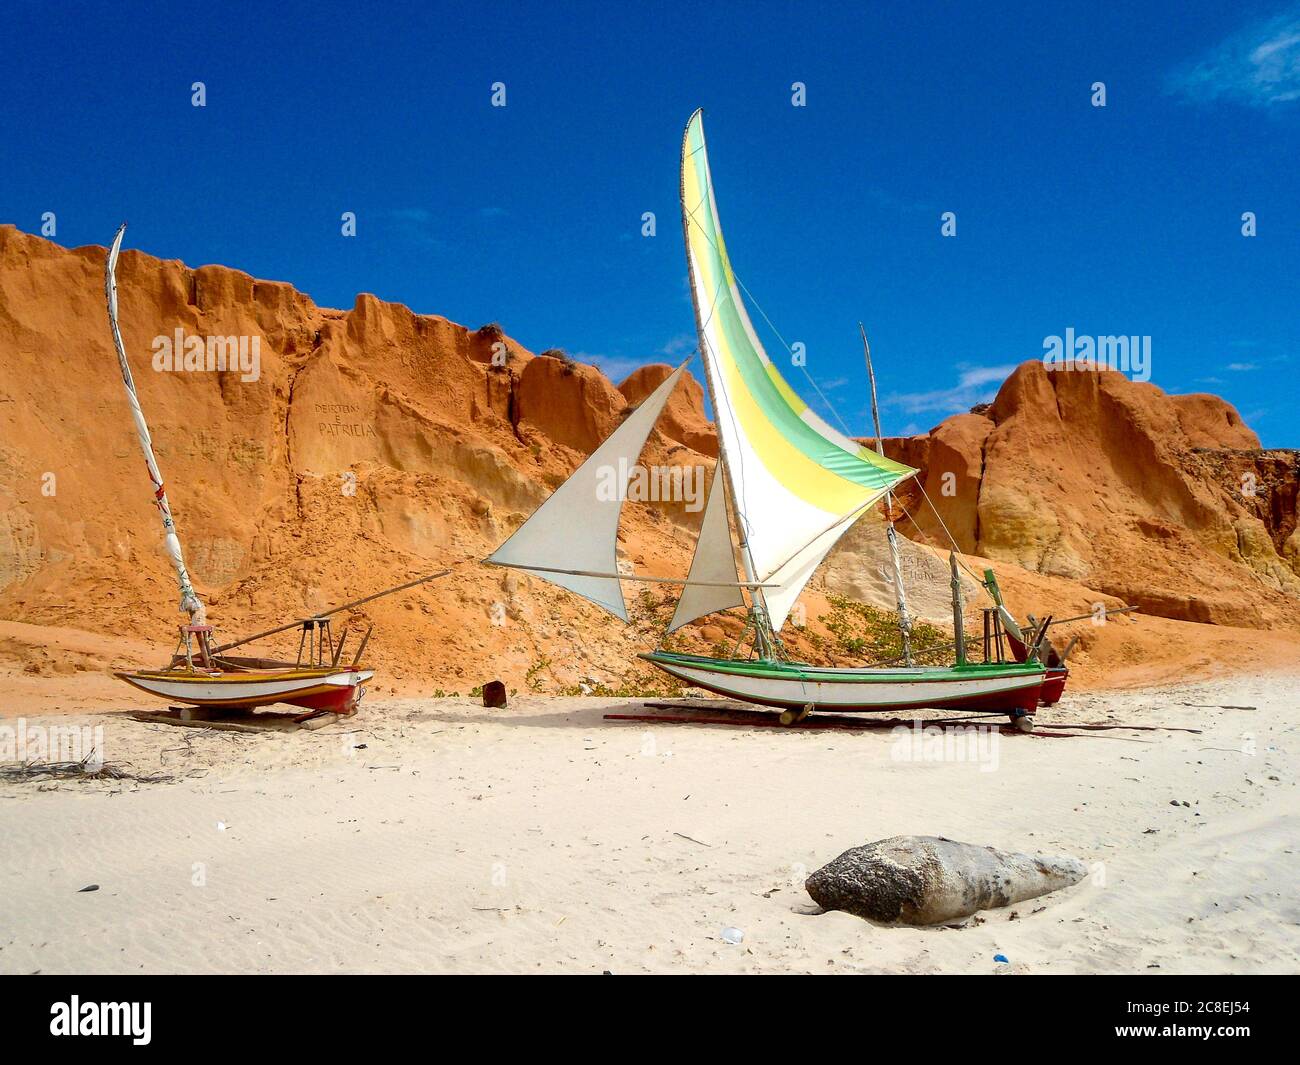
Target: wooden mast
[958,609]
[765,639]
[904,620]
[190,601]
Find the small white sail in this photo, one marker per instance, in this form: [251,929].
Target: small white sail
[572,539]
[190,602]
[714,563]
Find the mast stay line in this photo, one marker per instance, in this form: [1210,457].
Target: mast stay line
[333,610]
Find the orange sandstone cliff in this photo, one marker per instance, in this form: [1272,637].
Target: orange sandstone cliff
[377,444]
[1167,502]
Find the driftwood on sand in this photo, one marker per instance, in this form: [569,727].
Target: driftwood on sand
[921,880]
[86,769]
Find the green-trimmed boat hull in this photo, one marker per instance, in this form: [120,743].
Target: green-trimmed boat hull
[995,687]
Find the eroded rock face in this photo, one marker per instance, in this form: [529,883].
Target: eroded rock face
[376,444]
[373,444]
[860,567]
[1167,502]
[569,402]
[683,419]
[922,880]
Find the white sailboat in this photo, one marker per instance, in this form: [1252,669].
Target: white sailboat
[201,674]
[794,484]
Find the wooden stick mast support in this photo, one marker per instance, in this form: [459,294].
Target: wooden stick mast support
[327,613]
[356,659]
[904,621]
[338,649]
[958,609]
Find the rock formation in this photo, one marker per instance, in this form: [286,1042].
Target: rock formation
[376,444]
[921,880]
[1167,502]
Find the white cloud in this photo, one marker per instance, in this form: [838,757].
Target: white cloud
[416,224]
[616,367]
[976,384]
[678,347]
[1258,65]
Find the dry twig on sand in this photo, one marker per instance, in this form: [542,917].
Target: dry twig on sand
[83,770]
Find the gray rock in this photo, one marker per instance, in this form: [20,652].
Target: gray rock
[920,880]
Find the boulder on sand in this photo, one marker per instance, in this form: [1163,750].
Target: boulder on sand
[920,880]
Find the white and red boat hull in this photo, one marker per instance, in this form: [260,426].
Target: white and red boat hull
[336,690]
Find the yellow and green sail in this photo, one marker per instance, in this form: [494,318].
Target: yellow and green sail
[798,483]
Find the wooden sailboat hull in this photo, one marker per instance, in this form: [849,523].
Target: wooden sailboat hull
[336,690]
[1053,686]
[1010,687]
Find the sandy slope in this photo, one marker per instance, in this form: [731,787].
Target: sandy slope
[434,835]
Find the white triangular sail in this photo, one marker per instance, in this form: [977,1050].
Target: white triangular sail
[572,539]
[712,581]
[797,483]
[190,601]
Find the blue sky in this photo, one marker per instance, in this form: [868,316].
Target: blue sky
[1117,220]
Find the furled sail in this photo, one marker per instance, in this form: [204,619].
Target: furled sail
[797,483]
[572,539]
[711,583]
[190,601]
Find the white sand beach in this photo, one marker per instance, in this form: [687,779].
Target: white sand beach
[439,836]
